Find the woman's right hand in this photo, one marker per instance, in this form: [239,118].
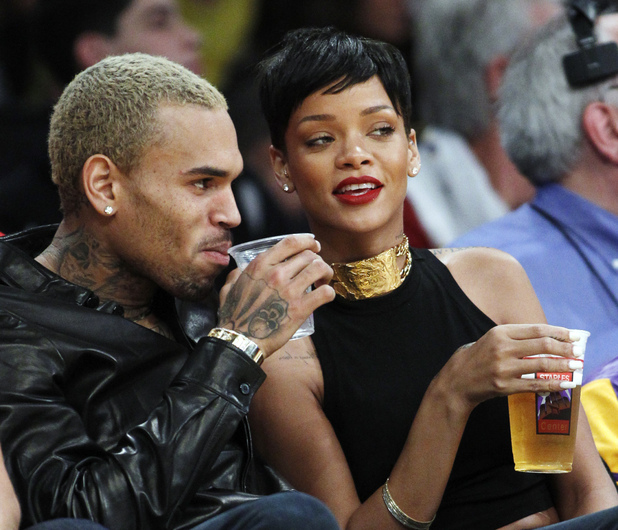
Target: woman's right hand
[493,365]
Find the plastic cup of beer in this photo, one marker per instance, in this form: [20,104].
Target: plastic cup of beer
[244,253]
[544,425]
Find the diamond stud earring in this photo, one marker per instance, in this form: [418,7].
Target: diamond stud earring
[108,210]
[286,188]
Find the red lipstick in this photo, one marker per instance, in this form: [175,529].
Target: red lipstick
[358,190]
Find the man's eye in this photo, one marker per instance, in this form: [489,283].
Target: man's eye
[161,20]
[202,184]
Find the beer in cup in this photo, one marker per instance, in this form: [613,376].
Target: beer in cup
[544,425]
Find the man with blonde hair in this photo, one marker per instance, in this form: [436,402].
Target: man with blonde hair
[120,402]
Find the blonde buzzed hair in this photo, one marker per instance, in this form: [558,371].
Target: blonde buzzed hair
[111,109]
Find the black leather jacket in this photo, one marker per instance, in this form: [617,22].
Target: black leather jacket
[101,418]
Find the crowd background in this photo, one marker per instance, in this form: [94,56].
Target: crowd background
[228,37]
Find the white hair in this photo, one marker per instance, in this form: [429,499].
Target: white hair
[540,115]
[455,40]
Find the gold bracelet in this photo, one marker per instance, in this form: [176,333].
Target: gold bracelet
[399,514]
[247,346]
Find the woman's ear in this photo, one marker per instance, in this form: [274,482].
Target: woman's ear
[98,180]
[280,167]
[414,158]
[600,124]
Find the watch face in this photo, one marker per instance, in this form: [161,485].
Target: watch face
[247,346]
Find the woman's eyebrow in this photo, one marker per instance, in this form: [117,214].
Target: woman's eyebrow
[377,108]
[331,117]
[318,117]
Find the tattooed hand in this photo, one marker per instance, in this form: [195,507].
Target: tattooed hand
[253,308]
[268,301]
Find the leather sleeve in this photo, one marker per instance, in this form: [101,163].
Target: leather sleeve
[153,470]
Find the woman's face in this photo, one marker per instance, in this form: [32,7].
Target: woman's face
[348,156]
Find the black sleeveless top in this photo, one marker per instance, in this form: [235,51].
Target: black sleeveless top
[378,357]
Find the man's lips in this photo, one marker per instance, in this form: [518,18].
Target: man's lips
[358,190]
[218,252]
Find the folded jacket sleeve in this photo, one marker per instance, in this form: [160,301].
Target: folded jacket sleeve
[155,467]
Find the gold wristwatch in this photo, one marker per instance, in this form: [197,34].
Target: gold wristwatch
[247,346]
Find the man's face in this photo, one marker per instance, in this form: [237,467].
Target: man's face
[157,28]
[609,24]
[176,209]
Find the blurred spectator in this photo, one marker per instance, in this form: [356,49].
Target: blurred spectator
[462,48]
[223,26]
[600,400]
[564,139]
[68,36]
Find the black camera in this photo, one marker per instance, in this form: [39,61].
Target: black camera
[593,62]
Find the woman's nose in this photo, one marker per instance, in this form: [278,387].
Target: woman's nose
[353,154]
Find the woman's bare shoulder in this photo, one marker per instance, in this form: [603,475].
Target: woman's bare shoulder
[474,256]
[495,281]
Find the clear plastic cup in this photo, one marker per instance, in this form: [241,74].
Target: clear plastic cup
[244,253]
[544,425]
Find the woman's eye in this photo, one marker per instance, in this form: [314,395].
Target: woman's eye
[319,141]
[385,130]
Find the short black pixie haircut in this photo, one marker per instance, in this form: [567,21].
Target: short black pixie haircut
[309,59]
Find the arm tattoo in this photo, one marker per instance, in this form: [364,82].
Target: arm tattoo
[305,355]
[443,251]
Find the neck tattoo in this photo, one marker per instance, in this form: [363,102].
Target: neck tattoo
[138,316]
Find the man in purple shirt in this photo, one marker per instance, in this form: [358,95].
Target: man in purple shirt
[559,124]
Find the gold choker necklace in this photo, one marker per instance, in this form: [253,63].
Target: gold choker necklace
[372,276]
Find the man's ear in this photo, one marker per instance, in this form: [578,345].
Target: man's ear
[89,48]
[600,125]
[98,179]
[494,72]
[280,167]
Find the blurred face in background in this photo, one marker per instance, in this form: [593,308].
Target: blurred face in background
[156,27]
[387,20]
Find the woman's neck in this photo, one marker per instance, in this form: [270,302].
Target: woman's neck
[374,276]
[345,247]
